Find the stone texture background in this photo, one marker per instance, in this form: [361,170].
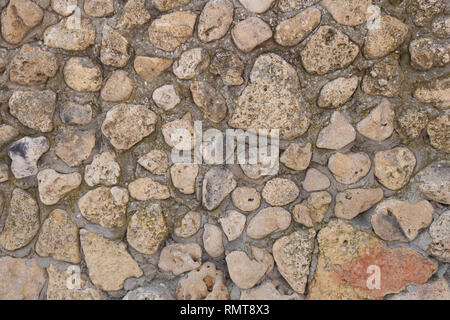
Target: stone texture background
[100,191]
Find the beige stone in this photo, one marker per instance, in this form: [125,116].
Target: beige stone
[217,184]
[166,97]
[150,68]
[427,53]
[74,113]
[118,87]
[53,186]
[315,181]
[246,198]
[233,224]
[313,209]
[266,291]
[212,240]
[434,181]
[297,157]
[115,50]
[349,168]
[155,161]
[134,15]
[348,12]
[166,5]
[379,124]
[99,8]
[250,33]
[19,17]
[209,100]
[352,202]
[74,146]
[81,74]
[280,191]
[440,237]
[179,258]
[189,224]
[184,176]
[179,133]
[245,272]
[63,7]
[103,170]
[292,31]
[267,221]
[58,238]
[337,92]
[102,255]
[215,20]
[144,189]
[394,167]
[383,78]
[439,132]
[337,134]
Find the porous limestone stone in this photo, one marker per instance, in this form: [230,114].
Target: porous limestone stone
[315,181]
[337,92]
[103,170]
[99,8]
[183,176]
[297,157]
[292,31]
[349,168]
[337,134]
[179,258]
[53,185]
[246,198]
[313,209]
[25,153]
[379,124]
[352,202]
[144,189]
[394,167]
[434,181]
[118,87]
[440,236]
[81,74]
[233,224]
[155,161]
[74,113]
[348,12]
[212,240]
[267,221]
[150,68]
[134,15]
[250,33]
[280,191]
[217,184]
[215,20]
[73,145]
[18,18]
[166,97]
[189,224]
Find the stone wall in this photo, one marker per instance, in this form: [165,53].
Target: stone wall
[92,92]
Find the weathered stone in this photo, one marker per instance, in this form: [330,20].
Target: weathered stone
[215,20]
[344,272]
[313,209]
[266,291]
[4,176]
[411,122]
[157,290]
[439,132]
[217,184]
[423,11]
[440,235]
[166,5]
[71,33]
[352,202]
[337,134]
[22,279]
[379,124]
[229,67]
[206,283]
[280,191]
[246,198]
[290,5]
[172,30]
[436,290]
[383,78]
[179,134]
[434,181]
[127,124]
[81,74]
[99,8]
[233,224]
[7,134]
[147,229]
[22,222]
[103,170]
[267,221]
[53,186]
[348,12]
[150,68]
[293,254]
[155,161]
[166,97]
[103,254]
[209,100]
[315,181]
[244,272]
[74,146]
[292,31]
[104,206]
[118,87]
[328,50]
[189,225]
[74,113]
[437,94]
[134,15]
[184,176]
[115,50]
[297,157]
[191,63]
[337,92]
[25,153]
[58,238]
[271,100]
[250,33]
[19,17]
[58,289]
[32,66]
[441,27]
[427,53]
[179,258]
[410,217]
[34,109]
[63,7]
[394,167]
[387,37]
[212,240]
[144,189]
[349,168]
[257,6]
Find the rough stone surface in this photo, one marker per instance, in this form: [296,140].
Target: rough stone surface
[22,279]
[440,235]
[34,109]
[18,18]
[328,50]
[394,167]
[337,134]
[315,181]
[105,206]
[337,92]
[74,146]
[348,12]
[127,124]
[115,50]
[118,87]
[99,8]
[25,153]
[217,184]
[189,225]
[229,66]
[103,254]
[103,170]
[345,255]
[292,31]
[246,272]
[172,30]
[313,209]
[233,224]
[166,97]
[215,20]
[212,240]
[179,258]
[436,290]
[349,168]
[133,16]
[379,124]
[434,181]
[150,68]
[293,255]
[155,161]
[166,5]
[209,100]
[297,157]
[280,191]
[246,199]
[383,78]
[439,131]
[22,222]
[191,63]
[147,229]
[184,176]
[74,113]
[352,202]
[81,74]
[266,291]
[58,238]
[267,221]
[53,185]
[250,33]
[426,53]
[144,189]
